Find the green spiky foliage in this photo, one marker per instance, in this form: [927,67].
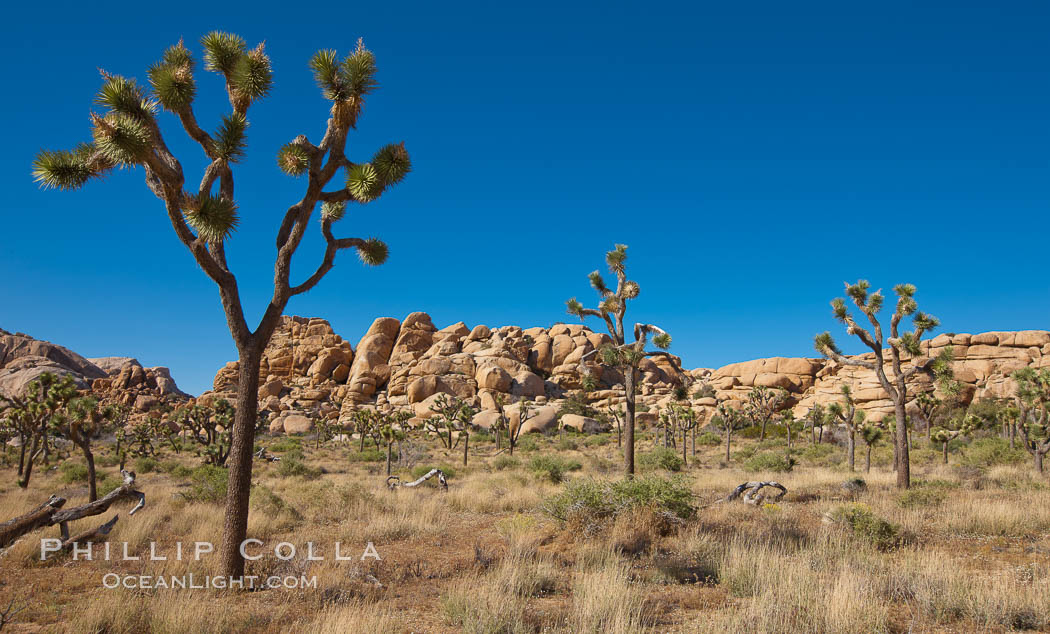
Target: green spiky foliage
[847,414]
[86,418]
[906,355]
[36,415]
[729,419]
[1032,398]
[762,405]
[622,355]
[127,133]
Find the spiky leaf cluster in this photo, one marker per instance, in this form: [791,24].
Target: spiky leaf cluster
[347,82]
[617,258]
[68,169]
[662,341]
[172,79]
[332,211]
[373,252]
[230,142]
[825,344]
[124,96]
[213,217]
[252,75]
[392,164]
[363,182]
[293,159]
[121,139]
[222,52]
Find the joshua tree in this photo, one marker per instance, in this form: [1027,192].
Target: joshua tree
[790,423]
[35,413]
[209,427]
[1033,405]
[503,422]
[955,427]
[853,418]
[728,420]
[871,434]
[815,420]
[615,415]
[393,431]
[762,405]
[128,134]
[622,355]
[451,413]
[681,419]
[905,352]
[83,420]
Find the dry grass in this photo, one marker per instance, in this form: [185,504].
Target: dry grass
[974,554]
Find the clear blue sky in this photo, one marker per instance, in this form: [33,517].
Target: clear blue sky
[753,155]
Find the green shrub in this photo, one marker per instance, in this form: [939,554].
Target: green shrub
[175,468]
[553,468]
[293,465]
[527,442]
[566,443]
[266,501]
[661,458]
[108,483]
[597,440]
[769,461]
[708,439]
[502,463]
[209,484]
[146,464]
[368,455]
[600,499]
[107,460]
[988,452]
[866,525]
[70,472]
[919,497]
[286,444]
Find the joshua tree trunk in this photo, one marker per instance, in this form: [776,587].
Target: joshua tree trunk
[867,461]
[944,449]
[242,444]
[762,433]
[389,449]
[683,447]
[851,445]
[729,439]
[628,440]
[34,449]
[1038,456]
[89,458]
[903,461]
[466,443]
[22,457]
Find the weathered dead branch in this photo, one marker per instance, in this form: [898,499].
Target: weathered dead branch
[751,493]
[394,482]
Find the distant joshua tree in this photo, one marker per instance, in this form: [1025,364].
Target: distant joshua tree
[84,419]
[128,134]
[853,418]
[871,434]
[963,425]
[729,419]
[622,355]
[762,405]
[905,352]
[1033,404]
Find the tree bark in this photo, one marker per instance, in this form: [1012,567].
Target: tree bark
[867,461]
[851,445]
[1038,460]
[729,439]
[242,445]
[628,440]
[389,448]
[90,459]
[944,449]
[466,444]
[901,441]
[762,434]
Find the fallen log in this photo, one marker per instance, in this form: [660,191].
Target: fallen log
[394,482]
[751,493]
[39,517]
[91,536]
[50,513]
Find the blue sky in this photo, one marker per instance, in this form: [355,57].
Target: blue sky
[752,155]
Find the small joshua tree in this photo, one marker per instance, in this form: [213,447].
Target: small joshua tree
[209,427]
[762,405]
[35,414]
[853,418]
[84,419]
[815,420]
[451,413]
[621,354]
[871,433]
[953,428]
[128,134]
[504,422]
[904,347]
[682,419]
[729,419]
[791,424]
[1033,405]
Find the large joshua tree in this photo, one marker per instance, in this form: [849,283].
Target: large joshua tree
[622,354]
[128,134]
[904,347]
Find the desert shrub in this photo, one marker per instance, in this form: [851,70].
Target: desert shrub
[600,499]
[286,444]
[925,456]
[866,525]
[368,455]
[920,497]
[708,439]
[577,404]
[661,458]
[292,465]
[175,468]
[553,468]
[597,440]
[70,472]
[209,484]
[107,460]
[146,464]
[422,470]
[502,463]
[744,453]
[769,461]
[566,443]
[481,436]
[818,454]
[527,442]
[988,452]
[266,501]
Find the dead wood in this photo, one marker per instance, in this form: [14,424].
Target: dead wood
[394,482]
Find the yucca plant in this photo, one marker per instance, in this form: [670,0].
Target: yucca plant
[1032,396]
[847,413]
[621,354]
[906,355]
[128,133]
[762,405]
